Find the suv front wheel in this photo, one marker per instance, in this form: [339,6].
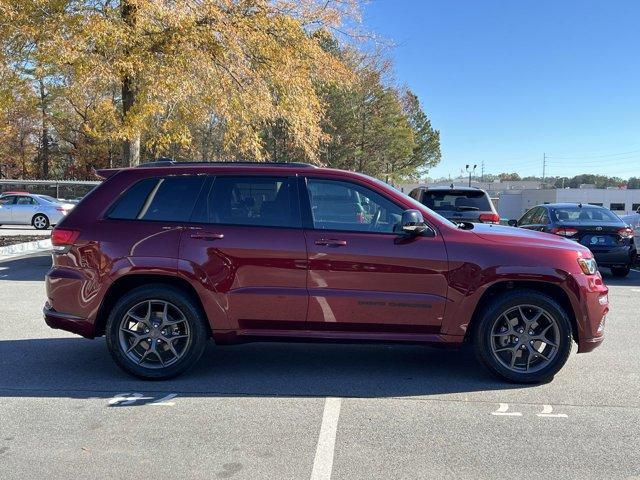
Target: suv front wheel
[523,336]
[156,332]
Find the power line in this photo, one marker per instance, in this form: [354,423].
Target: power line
[580,157]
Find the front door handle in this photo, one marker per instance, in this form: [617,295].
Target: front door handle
[331,242]
[207,236]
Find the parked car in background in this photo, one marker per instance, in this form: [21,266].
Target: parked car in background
[159,259]
[458,204]
[609,237]
[633,220]
[41,211]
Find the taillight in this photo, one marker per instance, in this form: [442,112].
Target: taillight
[62,239]
[489,218]
[626,232]
[564,232]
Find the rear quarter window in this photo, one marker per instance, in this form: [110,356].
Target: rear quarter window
[169,199]
[130,203]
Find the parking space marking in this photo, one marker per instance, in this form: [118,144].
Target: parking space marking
[164,401]
[503,410]
[126,398]
[323,461]
[546,412]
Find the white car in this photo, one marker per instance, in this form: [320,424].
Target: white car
[41,211]
[633,221]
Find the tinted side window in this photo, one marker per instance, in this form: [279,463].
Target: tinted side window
[537,216]
[254,200]
[172,199]
[544,217]
[347,206]
[8,200]
[130,203]
[26,201]
[526,218]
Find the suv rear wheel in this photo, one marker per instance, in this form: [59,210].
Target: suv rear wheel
[156,332]
[523,336]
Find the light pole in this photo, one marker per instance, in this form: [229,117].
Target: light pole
[471,170]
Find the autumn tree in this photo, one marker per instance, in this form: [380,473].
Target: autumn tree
[376,128]
[181,63]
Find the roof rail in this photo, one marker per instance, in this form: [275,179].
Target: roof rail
[168,162]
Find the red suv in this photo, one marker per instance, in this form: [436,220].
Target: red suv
[159,259]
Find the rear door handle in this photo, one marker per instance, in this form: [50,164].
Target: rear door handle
[207,236]
[331,242]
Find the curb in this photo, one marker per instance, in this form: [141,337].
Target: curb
[20,249]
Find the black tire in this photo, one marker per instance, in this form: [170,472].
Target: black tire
[186,305]
[484,336]
[40,221]
[620,271]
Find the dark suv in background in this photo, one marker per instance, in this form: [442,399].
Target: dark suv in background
[458,204]
[159,259]
[609,238]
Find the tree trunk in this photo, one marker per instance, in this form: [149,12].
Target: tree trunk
[131,150]
[131,146]
[44,143]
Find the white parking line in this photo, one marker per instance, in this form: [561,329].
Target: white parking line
[164,401]
[502,410]
[126,399]
[546,412]
[323,461]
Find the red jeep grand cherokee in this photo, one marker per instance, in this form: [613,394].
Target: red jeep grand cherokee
[161,258]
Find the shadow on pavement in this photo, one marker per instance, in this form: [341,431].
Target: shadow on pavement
[632,280]
[27,269]
[80,368]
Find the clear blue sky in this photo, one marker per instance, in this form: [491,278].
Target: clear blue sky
[506,80]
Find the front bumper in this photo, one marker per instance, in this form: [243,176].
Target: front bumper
[592,310]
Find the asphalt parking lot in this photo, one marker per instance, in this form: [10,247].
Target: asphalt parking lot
[298,411]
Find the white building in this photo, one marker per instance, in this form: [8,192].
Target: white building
[513,204]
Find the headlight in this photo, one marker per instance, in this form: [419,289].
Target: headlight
[588,265]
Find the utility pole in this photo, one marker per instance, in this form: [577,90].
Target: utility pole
[544,168]
[482,171]
[471,170]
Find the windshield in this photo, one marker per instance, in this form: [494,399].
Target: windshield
[584,215]
[457,200]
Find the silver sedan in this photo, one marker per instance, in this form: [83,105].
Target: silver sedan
[633,221]
[41,211]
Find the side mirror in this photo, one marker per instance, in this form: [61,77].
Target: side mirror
[513,223]
[412,223]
